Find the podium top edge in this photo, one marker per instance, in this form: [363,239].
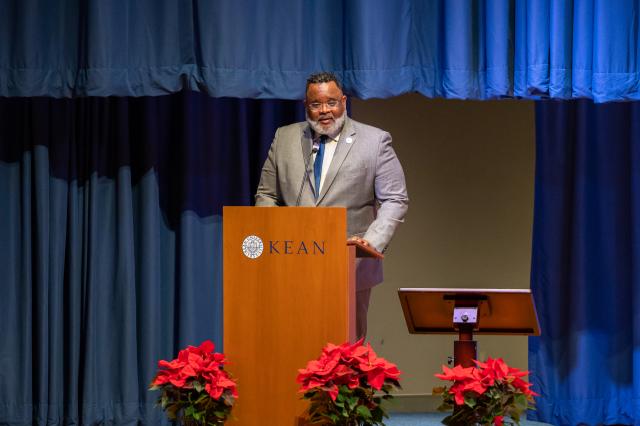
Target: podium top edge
[285,207]
[464,290]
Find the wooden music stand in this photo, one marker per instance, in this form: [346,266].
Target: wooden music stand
[465,311]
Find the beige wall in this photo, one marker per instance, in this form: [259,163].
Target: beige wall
[469,167]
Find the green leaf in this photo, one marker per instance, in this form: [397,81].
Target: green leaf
[363,411]
[353,401]
[438,390]
[172,412]
[469,401]
[198,386]
[445,407]
[228,399]
[447,420]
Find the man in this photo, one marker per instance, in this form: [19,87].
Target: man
[354,167]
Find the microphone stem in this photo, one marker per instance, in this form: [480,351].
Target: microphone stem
[314,150]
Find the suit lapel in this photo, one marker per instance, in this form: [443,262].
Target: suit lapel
[342,150]
[307,142]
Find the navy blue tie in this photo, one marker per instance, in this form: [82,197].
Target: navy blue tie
[317,165]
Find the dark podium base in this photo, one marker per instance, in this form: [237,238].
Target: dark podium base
[464,352]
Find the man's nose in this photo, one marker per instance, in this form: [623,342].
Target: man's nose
[324,107]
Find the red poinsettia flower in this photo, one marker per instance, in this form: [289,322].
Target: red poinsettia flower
[346,364]
[350,371]
[470,387]
[524,387]
[458,393]
[216,386]
[194,362]
[456,373]
[378,369]
[190,363]
[196,369]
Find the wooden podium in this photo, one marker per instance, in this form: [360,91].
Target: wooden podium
[289,289]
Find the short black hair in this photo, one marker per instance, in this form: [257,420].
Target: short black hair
[323,77]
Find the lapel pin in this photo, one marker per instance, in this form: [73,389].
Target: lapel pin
[349,140]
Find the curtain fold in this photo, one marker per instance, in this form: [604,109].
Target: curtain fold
[586,252]
[255,49]
[110,243]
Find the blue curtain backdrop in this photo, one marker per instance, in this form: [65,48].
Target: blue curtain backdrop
[585,267]
[257,49]
[110,239]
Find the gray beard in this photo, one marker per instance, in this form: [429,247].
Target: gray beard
[333,130]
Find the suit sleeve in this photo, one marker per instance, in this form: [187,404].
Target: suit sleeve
[391,194]
[267,194]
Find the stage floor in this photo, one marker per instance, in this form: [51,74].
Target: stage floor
[432,419]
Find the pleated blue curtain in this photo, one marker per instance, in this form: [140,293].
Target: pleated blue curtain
[110,243]
[586,252]
[256,49]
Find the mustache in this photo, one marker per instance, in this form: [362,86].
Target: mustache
[332,129]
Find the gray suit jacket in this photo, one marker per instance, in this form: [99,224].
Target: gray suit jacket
[365,176]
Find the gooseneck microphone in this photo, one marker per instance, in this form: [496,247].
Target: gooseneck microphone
[314,150]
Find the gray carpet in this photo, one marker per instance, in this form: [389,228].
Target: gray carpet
[431,419]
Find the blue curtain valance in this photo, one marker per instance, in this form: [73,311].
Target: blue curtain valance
[256,49]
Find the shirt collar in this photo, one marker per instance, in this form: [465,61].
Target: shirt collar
[329,138]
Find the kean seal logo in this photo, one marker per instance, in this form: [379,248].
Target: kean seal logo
[252,247]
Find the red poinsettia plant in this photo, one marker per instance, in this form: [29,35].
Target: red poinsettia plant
[491,393]
[347,384]
[194,387]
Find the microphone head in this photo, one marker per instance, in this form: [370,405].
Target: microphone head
[315,148]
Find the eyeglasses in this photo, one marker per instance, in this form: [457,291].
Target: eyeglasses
[317,106]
